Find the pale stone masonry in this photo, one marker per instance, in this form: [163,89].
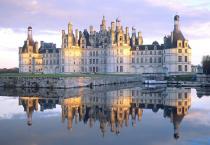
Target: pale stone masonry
[109,50]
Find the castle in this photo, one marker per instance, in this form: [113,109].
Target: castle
[110,50]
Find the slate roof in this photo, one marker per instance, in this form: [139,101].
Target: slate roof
[25,47]
[51,47]
[148,47]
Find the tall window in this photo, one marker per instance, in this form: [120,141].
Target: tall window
[180,44]
[159,60]
[179,67]
[180,58]
[150,60]
[137,60]
[121,60]
[186,68]
[185,58]
[133,60]
[121,68]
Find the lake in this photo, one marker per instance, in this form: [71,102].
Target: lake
[109,115]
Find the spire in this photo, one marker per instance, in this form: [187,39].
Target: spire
[103,25]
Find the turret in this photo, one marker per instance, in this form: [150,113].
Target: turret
[127,37]
[103,25]
[30,33]
[140,38]
[113,32]
[70,35]
[91,30]
[76,37]
[133,37]
[112,26]
[118,24]
[176,23]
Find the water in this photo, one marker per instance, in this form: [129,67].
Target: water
[155,115]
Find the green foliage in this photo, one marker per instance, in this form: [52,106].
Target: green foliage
[181,78]
[206,64]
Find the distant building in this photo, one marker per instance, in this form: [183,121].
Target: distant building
[110,50]
[197,69]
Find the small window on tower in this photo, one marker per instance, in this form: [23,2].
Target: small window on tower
[180,44]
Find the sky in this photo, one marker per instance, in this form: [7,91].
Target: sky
[154,18]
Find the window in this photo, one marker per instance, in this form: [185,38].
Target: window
[121,68]
[180,58]
[185,58]
[159,52]
[186,68]
[133,60]
[150,60]
[137,60]
[179,67]
[142,60]
[90,61]
[121,60]
[150,52]
[185,50]
[185,95]
[185,44]
[96,61]
[179,95]
[93,61]
[180,51]
[159,60]
[180,44]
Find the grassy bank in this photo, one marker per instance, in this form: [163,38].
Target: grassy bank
[61,75]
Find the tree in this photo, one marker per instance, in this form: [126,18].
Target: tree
[206,64]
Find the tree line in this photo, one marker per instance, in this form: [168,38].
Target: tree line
[206,64]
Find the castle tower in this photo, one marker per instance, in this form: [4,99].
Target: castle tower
[133,37]
[118,25]
[103,24]
[76,37]
[30,33]
[176,23]
[113,32]
[70,35]
[140,38]
[127,37]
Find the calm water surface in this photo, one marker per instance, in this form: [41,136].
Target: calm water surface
[105,116]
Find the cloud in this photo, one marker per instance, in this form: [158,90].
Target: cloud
[198,30]
[199,117]
[187,7]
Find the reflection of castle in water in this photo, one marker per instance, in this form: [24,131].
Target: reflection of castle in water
[115,109]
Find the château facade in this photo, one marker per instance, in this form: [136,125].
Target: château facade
[109,50]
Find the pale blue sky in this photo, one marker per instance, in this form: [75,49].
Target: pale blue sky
[154,18]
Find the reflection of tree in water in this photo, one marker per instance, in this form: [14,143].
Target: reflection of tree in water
[115,109]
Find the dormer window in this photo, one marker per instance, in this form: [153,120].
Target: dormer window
[137,48]
[185,44]
[179,44]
